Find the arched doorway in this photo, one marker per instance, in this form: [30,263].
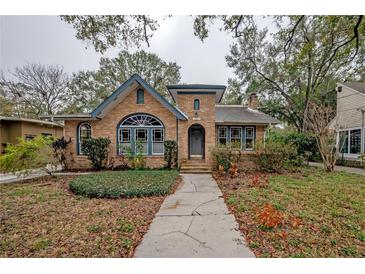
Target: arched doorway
[196,137]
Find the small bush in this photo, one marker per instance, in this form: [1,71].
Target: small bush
[170,154]
[96,150]
[276,156]
[304,142]
[126,184]
[27,155]
[225,155]
[136,157]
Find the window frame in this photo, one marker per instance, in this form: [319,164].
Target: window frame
[79,150]
[222,138]
[362,142]
[236,138]
[196,104]
[144,142]
[140,96]
[157,142]
[251,138]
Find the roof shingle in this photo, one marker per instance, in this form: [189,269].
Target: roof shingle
[242,114]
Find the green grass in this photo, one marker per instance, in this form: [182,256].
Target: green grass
[330,207]
[125,184]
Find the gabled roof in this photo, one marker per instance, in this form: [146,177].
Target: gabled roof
[218,90]
[358,86]
[121,92]
[125,87]
[240,114]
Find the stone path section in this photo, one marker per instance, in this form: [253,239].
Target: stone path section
[194,222]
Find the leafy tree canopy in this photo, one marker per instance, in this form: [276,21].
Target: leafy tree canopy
[298,62]
[89,88]
[105,31]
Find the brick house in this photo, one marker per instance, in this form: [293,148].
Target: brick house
[196,120]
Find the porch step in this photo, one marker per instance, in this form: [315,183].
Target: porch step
[195,166]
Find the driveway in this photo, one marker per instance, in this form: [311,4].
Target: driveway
[194,222]
[353,170]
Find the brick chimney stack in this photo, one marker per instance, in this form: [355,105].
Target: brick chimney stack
[253,101]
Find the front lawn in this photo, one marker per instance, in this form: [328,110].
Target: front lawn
[126,184]
[323,214]
[42,218]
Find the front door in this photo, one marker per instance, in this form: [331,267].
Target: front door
[196,142]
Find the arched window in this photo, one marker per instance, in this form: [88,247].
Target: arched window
[84,133]
[196,104]
[140,96]
[144,129]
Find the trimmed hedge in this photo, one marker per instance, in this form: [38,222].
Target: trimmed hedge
[124,184]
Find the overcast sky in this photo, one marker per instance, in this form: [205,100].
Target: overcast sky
[48,40]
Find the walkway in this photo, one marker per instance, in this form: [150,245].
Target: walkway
[194,222]
[360,171]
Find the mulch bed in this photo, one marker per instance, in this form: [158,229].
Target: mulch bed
[42,218]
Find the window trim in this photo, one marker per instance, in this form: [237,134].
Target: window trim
[144,142]
[222,138]
[140,96]
[253,137]
[236,138]
[158,142]
[196,107]
[79,152]
[362,142]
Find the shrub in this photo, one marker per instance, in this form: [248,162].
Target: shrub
[59,150]
[305,142]
[276,156]
[233,170]
[170,154]
[126,184]
[27,155]
[136,157]
[225,155]
[96,150]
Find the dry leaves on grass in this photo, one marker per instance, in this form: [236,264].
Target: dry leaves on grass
[323,213]
[49,221]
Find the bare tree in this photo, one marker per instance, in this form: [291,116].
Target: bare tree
[318,120]
[36,89]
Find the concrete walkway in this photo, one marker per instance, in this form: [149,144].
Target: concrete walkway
[194,222]
[353,170]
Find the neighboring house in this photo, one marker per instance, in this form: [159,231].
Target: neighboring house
[12,128]
[349,120]
[136,111]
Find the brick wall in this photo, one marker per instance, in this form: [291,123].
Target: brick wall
[207,120]
[107,127]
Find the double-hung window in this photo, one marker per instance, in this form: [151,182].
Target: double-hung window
[124,139]
[157,141]
[222,135]
[142,138]
[249,138]
[236,137]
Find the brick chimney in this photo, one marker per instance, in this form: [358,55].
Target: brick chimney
[253,101]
